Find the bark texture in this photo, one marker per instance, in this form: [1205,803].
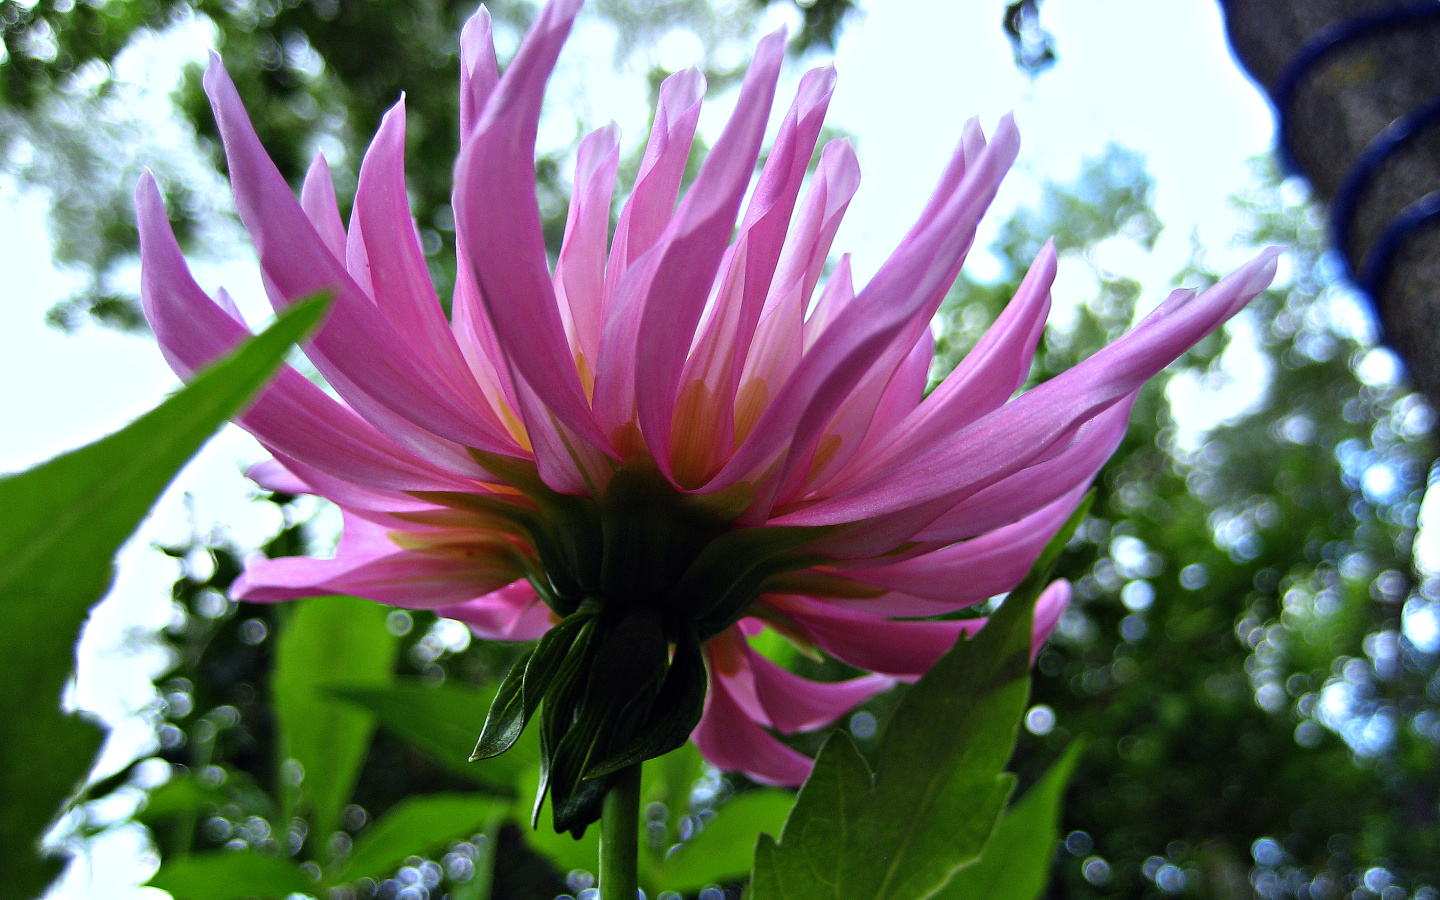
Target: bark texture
[1339,106]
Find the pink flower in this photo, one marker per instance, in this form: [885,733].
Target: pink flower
[678,436]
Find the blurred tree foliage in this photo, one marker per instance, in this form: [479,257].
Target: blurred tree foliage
[314,74]
[1260,719]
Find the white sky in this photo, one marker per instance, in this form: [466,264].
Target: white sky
[1157,77]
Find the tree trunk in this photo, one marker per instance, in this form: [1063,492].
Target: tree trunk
[1335,108]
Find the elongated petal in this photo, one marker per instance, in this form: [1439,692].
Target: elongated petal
[293,415]
[513,613]
[795,704]
[988,375]
[479,73]
[367,564]
[779,343]
[883,322]
[717,359]
[883,397]
[1027,428]
[1069,464]
[762,234]
[497,220]
[580,270]
[356,349]
[730,739]
[904,650]
[970,572]
[1048,610]
[317,198]
[652,201]
[396,269]
[660,299]
[1068,472]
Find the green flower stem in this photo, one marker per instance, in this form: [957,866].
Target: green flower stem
[619,836]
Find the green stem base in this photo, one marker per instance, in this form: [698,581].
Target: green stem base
[620,836]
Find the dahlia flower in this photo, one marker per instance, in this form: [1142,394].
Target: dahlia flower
[681,433]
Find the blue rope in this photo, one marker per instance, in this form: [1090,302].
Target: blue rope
[1395,137]
[1410,220]
[1400,133]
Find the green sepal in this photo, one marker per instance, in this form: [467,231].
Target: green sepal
[651,535]
[558,714]
[732,570]
[506,719]
[568,542]
[674,713]
[624,674]
[526,684]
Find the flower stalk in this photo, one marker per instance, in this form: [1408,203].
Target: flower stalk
[619,836]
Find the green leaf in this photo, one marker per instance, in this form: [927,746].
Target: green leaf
[723,849]
[1016,863]
[416,826]
[443,721]
[325,643]
[940,788]
[184,795]
[179,796]
[231,874]
[62,525]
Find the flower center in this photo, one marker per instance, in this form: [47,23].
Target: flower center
[640,577]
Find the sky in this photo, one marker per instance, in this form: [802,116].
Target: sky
[1156,77]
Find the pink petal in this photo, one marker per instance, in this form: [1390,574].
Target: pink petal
[317,198]
[779,338]
[988,375]
[717,359]
[763,229]
[731,740]
[580,270]
[1029,427]
[967,573]
[293,415]
[795,704]
[652,201]
[478,344]
[498,225]
[1068,472]
[905,650]
[367,564]
[479,73]
[1048,609]
[513,613]
[659,300]
[272,475]
[1066,467]
[835,298]
[395,263]
[356,350]
[566,463]
[884,397]
[880,327]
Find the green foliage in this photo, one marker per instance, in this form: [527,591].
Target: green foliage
[1016,862]
[227,874]
[443,720]
[64,521]
[326,642]
[418,825]
[939,788]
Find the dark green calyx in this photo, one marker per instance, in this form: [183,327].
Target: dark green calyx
[641,578]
